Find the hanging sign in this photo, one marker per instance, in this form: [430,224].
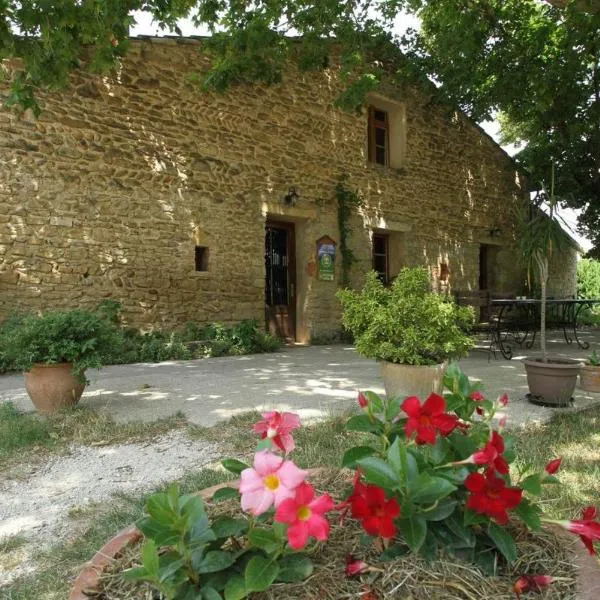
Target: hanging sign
[326,258]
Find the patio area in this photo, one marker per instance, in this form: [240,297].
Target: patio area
[316,382]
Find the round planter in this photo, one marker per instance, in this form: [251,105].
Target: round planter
[552,383]
[411,380]
[590,378]
[52,387]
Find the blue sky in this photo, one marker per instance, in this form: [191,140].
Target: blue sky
[145,26]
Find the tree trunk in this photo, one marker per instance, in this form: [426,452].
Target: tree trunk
[542,263]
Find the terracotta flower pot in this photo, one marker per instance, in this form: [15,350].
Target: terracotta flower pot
[410,380]
[590,378]
[52,387]
[552,383]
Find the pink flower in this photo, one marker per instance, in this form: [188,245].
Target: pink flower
[276,426]
[304,515]
[502,422]
[477,396]
[553,466]
[531,582]
[354,566]
[503,400]
[587,528]
[270,482]
[362,400]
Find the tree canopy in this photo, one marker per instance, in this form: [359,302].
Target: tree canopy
[536,63]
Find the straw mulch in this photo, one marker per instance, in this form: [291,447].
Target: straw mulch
[408,578]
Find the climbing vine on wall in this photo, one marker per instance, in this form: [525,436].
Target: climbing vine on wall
[347,201]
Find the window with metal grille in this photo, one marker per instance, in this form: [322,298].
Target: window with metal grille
[381,257]
[379,136]
[201,258]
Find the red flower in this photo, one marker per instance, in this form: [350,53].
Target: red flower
[502,422]
[277,427]
[354,566]
[503,400]
[491,454]
[586,528]
[369,505]
[531,582]
[428,419]
[553,466]
[477,396]
[362,400]
[490,496]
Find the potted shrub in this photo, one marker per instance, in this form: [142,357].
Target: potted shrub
[590,373]
[551,380]
[55,349]
[408,328]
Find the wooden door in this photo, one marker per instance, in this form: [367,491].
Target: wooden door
[280,284]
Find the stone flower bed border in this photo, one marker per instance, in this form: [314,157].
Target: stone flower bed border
[588,581]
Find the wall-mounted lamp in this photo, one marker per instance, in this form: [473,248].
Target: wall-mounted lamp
[495,232]
[291,197]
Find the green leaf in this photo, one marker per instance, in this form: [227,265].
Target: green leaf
[233,465]
[503,541]
[439,451]
[444,509]
[158,507]
[171,564]
[225,493]
[265,444]
[362,423]
[414,531]
[473,518]
[225,527]
[463,533]
[356,453]
[393,407]
[426,489]
[393,552]
[209,593]
[150,560]
[162,535]
[135,574]
[173,497]
[379,472]
[532,484]
[530,514]
[260,574]
[235,588]
[463,445]
[375,401]
[213,561]
[265,539]
[294,568]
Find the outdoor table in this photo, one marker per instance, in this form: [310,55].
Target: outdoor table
[518,320]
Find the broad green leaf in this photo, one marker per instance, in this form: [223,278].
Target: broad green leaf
[233,465]
[463,444]
[173,497]
[503,541]
[375,401]
[225,493]
[429,549]
[379,472]
[135,574]
[356,453]
[235,588]
[439,451]
[265,444]
[362,423]
[260,574]
[413,531]
[444,509]
[209,593]
[393,407]
[473,518]
[150,560]
[463,533]
[532,484]
[265,539]
[394,551]
[158,507]
[530,514]
[171,564]
[163,535]
[426,489]
[294,568]
[225,527]
[213,561]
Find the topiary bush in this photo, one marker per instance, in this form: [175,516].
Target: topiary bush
[406,323]
[588,286]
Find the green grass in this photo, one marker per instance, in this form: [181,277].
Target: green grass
[23,435]
[574,437]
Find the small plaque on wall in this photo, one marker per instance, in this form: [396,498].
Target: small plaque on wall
[326,258]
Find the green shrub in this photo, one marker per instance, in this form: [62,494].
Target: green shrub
[9,325]
[158,346]
[588,278]
[74,336]
[405,323]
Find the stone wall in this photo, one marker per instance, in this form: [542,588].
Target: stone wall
[107,193]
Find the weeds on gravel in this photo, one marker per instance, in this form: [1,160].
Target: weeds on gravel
[18,431]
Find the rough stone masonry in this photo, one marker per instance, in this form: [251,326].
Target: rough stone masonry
[108,193]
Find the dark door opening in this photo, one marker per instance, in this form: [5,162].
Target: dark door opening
[483,267]
[280,283]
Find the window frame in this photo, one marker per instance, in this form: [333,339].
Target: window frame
[386,254]
[201,257]
[373,125]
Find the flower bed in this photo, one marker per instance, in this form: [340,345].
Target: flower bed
[431,508]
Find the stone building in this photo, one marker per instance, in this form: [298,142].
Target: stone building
[184,205]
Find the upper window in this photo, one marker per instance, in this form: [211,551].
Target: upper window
[201,258]
[379,136]
[381,257]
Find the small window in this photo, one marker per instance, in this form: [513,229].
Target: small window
[381,257]
[201,256]
[379,136]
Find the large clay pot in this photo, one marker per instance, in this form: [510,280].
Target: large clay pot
[590,378]
[411,380]
[52,387]
[552,383]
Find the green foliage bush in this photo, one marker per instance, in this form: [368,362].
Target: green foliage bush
[406,323]
[80,337]
[588,286]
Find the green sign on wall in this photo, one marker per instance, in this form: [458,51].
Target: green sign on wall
[326,258]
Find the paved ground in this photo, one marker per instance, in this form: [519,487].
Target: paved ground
[313,381]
